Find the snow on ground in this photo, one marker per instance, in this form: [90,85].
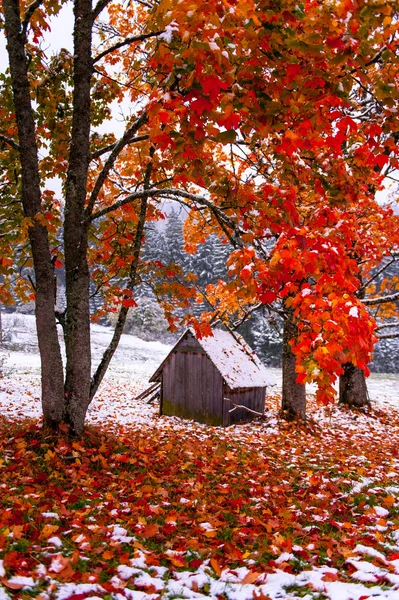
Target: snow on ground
[133,363]
[115,405]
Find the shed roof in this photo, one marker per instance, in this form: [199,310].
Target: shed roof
[234,359]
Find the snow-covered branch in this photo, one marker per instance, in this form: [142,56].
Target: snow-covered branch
[381,299]
[388,336]
[386,325]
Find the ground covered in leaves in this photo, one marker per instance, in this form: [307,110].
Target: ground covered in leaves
[146,506]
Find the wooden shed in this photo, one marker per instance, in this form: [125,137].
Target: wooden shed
[207,379]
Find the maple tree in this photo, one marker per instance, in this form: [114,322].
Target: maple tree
[240,111]
[319,174]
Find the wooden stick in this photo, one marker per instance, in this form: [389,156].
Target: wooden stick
[156,396]
[148,391]
[254,412]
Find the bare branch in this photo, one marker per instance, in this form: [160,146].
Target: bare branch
[383,268]
[101,151]
[235,406]
[143,3]
[224,221]
[119,146]
[377,57]
[10,142]
[381,299]
[101,4]
[126,42]
[245,316]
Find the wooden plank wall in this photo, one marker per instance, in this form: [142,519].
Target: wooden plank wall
[253,398]
[192,387]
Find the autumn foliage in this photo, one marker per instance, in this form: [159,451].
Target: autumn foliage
[147,505]
[273,123]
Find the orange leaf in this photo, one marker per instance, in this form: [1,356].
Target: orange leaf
[216,567]
[211,534]
[330,577]
[12,586]
[389,501]
[17,531]
[149,531]
[59,563]
[251,577]
[177,561]
[260,596]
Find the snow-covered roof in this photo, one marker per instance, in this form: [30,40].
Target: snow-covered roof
[234,359]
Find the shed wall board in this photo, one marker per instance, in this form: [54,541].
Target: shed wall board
[253,398]
[192,388]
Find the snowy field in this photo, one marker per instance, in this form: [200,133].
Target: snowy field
[375,572]
[132,365]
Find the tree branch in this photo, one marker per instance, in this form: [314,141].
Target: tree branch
[126,42]
[101,151]
[386,325]
[388,336]
[118,147]
[10,142]
[381,299]
[245,316]
[235,406]
[383,268]
[101,4]
[28,15]
[176,193]
[120,324]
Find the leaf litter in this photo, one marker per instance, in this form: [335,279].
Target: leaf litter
[147,507]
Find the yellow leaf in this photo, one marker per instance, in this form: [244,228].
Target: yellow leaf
[48,530]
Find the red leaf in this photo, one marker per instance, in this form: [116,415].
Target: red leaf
[127,302]
[267,297]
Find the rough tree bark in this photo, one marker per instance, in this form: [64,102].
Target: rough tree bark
[294,394]
[352,387]
[51,362]
[67,401]
[352,383]
[77,324]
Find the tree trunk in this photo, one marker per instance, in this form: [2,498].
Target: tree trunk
[352,387]
[294,394]
[50,353]
[77,323]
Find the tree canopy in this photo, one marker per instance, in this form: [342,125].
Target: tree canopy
[274,123]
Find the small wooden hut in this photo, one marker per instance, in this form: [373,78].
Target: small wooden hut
[216,380]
